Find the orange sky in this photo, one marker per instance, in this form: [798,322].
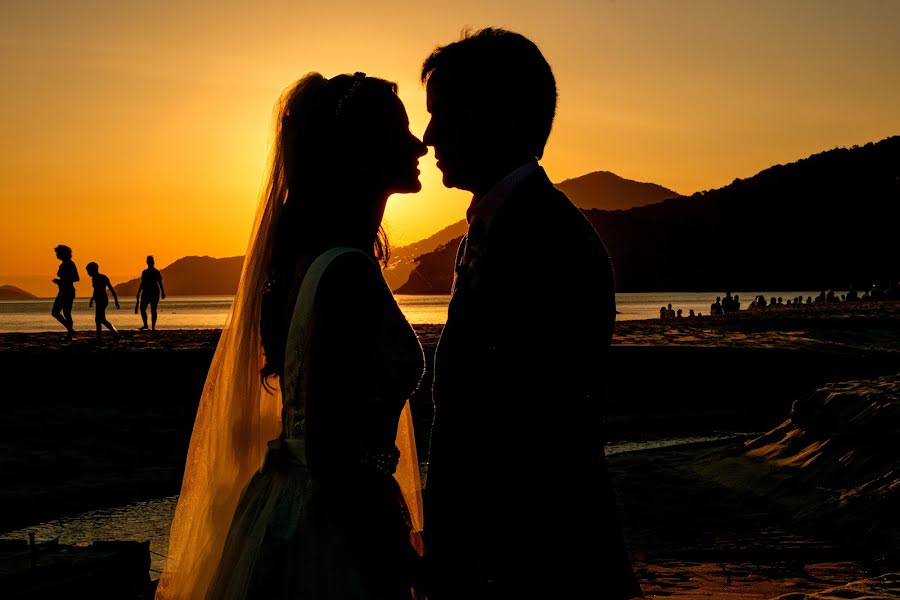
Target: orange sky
[141,127]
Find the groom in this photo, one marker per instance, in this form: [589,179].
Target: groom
[518,500]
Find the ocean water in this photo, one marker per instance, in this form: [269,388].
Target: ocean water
[210,312]
[184,312]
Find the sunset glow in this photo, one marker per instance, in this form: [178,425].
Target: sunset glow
[143,127]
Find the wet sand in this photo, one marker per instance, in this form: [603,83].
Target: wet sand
[698,527]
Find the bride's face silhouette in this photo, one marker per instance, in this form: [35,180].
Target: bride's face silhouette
[392,158]
[348,137]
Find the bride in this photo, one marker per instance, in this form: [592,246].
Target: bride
[301,479]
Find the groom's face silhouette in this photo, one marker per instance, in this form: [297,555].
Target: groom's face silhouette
[464,133]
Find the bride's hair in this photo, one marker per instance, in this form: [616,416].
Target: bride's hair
[323,128]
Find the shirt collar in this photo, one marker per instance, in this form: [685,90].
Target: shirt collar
[486,207]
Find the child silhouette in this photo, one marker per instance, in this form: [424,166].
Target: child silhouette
[100,282]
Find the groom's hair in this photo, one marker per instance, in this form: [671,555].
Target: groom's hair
[507,70]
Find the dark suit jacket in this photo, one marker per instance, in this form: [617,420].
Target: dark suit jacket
[517,495]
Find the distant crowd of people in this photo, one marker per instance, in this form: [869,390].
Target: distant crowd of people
[730,303]
[719,307]
[149,293]
[874,293]
[667,312]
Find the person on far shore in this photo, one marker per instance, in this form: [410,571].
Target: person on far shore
[691,314]
[728,303]
[100,282]
[149,293]
[663,313]
[716,307]
[670,312]
[678,314]
[65,280]
[736,303]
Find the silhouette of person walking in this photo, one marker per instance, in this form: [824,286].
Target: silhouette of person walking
[66,277]
[149,292]
[100,282]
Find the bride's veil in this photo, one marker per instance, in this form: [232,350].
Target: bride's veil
[237,416]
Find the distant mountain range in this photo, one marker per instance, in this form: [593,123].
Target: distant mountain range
[195,276]
[600,189]
[11,292]
[829,220]
[202,275]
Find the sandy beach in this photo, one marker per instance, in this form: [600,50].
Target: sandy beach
[88,426]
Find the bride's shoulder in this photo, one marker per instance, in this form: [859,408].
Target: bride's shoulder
[350,277]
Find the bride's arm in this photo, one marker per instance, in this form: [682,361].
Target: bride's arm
[346,319]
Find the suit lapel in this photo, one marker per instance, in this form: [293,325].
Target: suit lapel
[460,252]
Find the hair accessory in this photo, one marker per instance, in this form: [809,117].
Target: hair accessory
[357,80]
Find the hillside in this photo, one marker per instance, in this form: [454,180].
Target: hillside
[195,276]
[202,275]
[600,189]
[825,221]
[607,191]
[403,258]
[11,292]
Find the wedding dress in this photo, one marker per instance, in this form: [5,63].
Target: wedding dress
[338,527]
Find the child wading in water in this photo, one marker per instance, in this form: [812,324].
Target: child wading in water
[100,283]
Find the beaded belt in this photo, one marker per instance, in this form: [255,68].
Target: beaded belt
[383,461]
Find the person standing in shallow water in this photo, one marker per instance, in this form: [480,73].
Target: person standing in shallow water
[100,282]
[65,280]
[149,292]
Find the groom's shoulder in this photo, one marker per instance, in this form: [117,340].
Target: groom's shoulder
[541,206]
[537,200]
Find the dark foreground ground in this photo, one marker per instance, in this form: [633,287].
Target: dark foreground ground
[87,426]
